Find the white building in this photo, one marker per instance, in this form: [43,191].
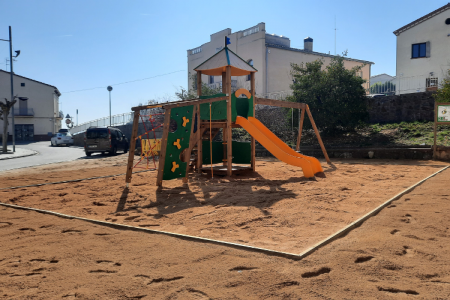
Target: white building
[423,56]
[37,118]
[381,78]
[270,54]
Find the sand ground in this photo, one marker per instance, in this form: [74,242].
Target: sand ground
[400,253]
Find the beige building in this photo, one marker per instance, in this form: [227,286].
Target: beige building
[38,117]
[423,56]
[270,54]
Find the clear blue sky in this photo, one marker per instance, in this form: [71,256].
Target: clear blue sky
[81,44]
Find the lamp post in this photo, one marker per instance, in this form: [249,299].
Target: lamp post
[109,88]
[12,86]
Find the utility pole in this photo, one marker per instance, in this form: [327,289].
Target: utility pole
[12,89]
[109,88]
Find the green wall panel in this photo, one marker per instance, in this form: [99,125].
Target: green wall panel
[183,134]
[242,152]
[217,148]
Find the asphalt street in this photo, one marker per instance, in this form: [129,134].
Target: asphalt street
[46,155]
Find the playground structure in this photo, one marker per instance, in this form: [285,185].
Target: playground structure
[190,126]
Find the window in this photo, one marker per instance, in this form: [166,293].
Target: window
[419,50]
[22,84]
[432,82]
[250,62]
[251,31]
[197,50]
[211,79]
[195,81]
[447,21]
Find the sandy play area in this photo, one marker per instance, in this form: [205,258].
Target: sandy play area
[400,253]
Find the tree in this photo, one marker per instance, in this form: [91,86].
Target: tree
[335,95]
[443,93]
[382,88]
[5,108]
[183,94]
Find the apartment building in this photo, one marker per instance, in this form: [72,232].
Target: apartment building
[423,57]
[270,54]
[37,118]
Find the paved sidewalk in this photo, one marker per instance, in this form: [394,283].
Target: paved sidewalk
[20,152]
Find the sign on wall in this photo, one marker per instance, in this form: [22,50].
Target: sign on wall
[443,113]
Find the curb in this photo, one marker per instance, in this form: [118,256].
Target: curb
[25,155]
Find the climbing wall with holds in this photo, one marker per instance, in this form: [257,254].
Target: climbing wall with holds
[177,142]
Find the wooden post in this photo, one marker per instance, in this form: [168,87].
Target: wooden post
[199,83]
[228,129]
[300,128]
[317,134]
[134,131]
[252,87]
[224,82]
[200,141]
[224,142]
[187,153]
[162,155]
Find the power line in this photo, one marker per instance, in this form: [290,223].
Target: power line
[102,87]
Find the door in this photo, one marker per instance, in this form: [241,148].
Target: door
[24,132]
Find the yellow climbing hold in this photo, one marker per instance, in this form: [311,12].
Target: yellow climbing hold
[174,166]
[177,143]
[185,121]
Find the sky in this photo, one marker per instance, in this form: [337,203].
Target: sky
[82,46]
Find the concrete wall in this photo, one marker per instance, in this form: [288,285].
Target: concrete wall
[434,31]
[279,67]
[402,108]
[41,98]
[253,46]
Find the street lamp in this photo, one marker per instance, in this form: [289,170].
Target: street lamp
[109,88]
[12,86]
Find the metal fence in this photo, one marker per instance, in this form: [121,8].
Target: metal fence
[116,120]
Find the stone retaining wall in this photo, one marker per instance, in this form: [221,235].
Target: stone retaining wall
[401,108]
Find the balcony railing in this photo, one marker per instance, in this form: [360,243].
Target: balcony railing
[24,112]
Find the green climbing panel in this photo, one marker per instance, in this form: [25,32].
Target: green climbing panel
[179,136]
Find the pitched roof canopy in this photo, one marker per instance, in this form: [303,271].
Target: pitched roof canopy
[216,64]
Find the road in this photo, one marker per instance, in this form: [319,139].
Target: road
[46,154]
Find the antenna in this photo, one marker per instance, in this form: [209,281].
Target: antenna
[335,34]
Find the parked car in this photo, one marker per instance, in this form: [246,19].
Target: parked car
[62,138]
[105,140]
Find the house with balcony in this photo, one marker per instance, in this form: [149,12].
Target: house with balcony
[37,118]
[270,54]
[423,57]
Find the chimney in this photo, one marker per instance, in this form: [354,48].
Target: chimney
[308,44]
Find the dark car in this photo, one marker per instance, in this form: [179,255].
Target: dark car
[105,140]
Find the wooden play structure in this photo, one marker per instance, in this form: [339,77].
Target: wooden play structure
[190,126]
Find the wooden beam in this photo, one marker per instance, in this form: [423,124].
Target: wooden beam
[193,102]
[188,151]
[199,83]
[224,82]
[253,146]
[280,103]
[317,134]
[228,129]
[200,132]
[224,139]
[300,128]
[435,128]
[134,131]
[162,154]
[219,125]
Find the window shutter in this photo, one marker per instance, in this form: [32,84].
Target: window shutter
[428,49]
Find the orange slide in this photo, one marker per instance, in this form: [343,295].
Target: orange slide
[278,148]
